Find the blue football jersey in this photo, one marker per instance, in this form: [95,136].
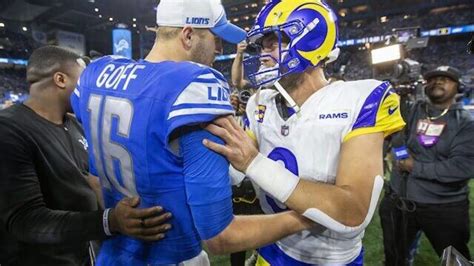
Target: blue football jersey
[134,114]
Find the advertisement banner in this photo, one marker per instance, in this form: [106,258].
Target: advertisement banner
[122,42]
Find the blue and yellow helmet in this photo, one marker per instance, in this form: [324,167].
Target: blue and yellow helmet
[309,27]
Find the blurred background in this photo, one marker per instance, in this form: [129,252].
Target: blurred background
[432,32]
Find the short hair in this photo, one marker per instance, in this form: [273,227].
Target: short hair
[47,60]
[167,33]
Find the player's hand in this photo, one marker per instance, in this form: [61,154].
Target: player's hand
[239,149]
[241,47]
[144,224]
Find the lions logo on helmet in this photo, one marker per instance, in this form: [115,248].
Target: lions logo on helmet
[309,26]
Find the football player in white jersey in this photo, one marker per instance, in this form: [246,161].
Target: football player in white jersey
[316,147]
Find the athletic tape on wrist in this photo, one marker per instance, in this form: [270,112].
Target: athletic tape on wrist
[280,183]
[272,177]
[236,177]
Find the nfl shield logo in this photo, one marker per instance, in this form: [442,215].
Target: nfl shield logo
[285,130]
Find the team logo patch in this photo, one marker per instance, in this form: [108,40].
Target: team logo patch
[197,21]
[392,110]
[260,113]
[121,45]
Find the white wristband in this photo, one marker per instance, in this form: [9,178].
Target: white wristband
[236,177]
[105,222]
[272,177]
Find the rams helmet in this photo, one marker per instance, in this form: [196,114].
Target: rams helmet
[308,26]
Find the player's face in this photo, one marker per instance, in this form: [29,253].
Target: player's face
[270,47]
[441,89]
[204,52]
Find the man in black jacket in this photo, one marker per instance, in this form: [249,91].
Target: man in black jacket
[47,205]
[428,191]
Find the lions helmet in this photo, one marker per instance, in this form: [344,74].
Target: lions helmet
[308,26]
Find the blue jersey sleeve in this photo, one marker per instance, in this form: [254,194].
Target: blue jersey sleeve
[206,97]
[208,189]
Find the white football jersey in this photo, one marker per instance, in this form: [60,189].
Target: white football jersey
[309,143]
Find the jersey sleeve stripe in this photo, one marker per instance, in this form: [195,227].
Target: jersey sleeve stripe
[199,111]
[208,81]
[77,92]
[218,75]
[199,93]
[368,114]
[204,105]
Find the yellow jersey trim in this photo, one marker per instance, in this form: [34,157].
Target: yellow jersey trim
[389,119]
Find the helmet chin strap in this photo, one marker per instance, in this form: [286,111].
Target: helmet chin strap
[287,97]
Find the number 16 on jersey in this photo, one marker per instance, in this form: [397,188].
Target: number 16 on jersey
[106,152]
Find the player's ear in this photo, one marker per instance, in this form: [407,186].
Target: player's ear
[60,79]
[187,37]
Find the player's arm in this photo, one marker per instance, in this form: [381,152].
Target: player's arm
[342,205]
[247,232]
[27,217]
[349,199]
[345,207]
[237,70]
[209,197]
[94,183]
[349,204]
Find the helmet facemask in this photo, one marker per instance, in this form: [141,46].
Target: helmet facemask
[308,27]
[264,75]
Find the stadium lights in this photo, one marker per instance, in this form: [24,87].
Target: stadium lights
[134,19]
[2,25]
[386,54]
[111,19]
[134,25]
[96,9]
[24,28]
[100,16]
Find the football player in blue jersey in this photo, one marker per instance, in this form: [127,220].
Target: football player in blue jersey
[143,120]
